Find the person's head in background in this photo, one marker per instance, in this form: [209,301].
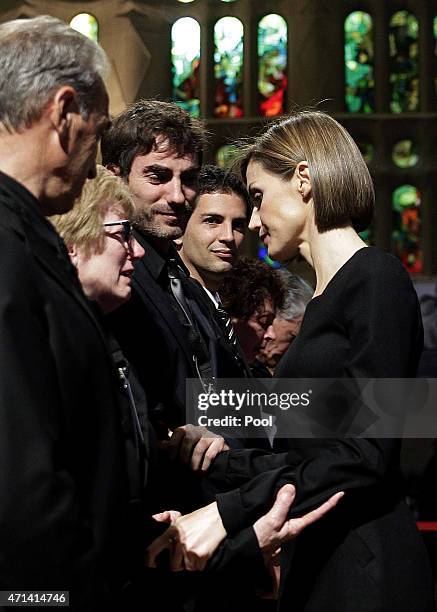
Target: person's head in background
[216,228]
[156,148]
[251,293]
[99,239]
[53,110]
[288,319]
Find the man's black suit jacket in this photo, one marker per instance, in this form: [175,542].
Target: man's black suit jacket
[63,482]
[156,343]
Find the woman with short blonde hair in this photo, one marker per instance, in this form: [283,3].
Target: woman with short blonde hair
[82,226]
[98,235]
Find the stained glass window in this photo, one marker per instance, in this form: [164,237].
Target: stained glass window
[263,256]
[225,155]
[404,62]
[228,66]
[87,25]
[185,55]
[406,224]
[404,154]
[358,56]
[366,149]
[272,64]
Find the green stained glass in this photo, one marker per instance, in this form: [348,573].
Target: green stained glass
[228,67]
[404,62]
[366,149]
[358,57]
[406,224]
[87,25]
[272,65]
[405,154]
[367,236]
[225,155]
[185,56]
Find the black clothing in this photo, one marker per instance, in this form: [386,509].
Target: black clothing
[155,340]
[63,484]
[155,337]
[366,555]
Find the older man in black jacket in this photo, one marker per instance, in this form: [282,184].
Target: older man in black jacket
[63,483]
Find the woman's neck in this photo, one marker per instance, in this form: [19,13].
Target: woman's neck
[327,252]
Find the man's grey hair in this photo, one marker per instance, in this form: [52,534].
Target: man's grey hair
[39,55]
[297,295]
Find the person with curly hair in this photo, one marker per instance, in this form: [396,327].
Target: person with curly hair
[251,293]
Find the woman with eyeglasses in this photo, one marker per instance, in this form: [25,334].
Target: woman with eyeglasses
[98,235]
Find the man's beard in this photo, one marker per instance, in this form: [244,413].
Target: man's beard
[150,226]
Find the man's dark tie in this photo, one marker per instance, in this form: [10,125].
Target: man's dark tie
[227,326]
[174,275]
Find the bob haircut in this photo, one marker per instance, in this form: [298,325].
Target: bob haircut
[342,188]
[82,226]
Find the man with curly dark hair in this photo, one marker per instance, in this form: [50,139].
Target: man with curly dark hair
[250,293]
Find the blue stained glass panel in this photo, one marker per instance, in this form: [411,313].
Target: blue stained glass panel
[263,256]
[272,65]
[228,67]
[358,57]
[185,56]
[404,62]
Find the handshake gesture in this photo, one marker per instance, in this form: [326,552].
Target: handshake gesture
[193,538]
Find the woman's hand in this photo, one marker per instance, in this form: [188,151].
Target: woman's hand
[194,445]
[273,529]
[192,540]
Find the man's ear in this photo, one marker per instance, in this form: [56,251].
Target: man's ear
[61,110]
[114,169]
[304,180]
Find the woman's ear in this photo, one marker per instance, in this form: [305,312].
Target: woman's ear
[303,180]
[72,252]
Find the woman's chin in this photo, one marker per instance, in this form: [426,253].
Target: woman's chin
[281,254]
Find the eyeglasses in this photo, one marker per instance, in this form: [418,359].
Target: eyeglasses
[127,229]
